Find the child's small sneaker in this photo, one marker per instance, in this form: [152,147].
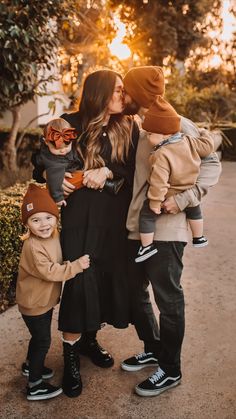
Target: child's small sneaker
[47,372]
[145,252]
[200,241]
[43,391]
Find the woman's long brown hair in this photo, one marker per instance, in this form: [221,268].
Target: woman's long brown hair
[97,92]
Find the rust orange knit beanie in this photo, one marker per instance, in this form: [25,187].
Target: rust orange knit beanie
[144,84]
[36,200]
[161,118]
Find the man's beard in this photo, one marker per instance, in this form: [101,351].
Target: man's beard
[131,108]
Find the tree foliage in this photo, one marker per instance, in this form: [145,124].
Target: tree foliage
[160,28]
[85,34]
[202,96]
[28,44]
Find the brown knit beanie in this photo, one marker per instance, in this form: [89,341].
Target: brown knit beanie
[144,84]
[36,200]
[161,118]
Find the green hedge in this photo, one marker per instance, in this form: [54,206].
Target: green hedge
[10,242]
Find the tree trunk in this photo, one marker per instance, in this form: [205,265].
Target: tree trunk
[9,152]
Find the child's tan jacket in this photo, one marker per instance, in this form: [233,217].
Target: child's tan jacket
[175,167]
[41,273]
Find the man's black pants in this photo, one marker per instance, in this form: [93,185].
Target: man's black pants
[39,344]
[163,271]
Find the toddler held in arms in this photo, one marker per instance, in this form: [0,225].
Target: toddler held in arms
[174,167]
[57,156]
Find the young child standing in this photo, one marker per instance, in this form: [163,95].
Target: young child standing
[174,163]
[39,282]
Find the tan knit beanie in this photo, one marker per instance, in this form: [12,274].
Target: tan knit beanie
[161,118]
[143,84]
[36,200]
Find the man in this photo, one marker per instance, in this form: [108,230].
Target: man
[162,343]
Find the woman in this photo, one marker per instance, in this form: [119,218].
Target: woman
[94,222]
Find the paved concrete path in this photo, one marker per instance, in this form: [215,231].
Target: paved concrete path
[208,389]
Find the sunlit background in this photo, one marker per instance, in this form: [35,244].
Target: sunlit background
[123,52]
[119,55]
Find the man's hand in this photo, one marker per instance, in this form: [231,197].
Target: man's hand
[170,206]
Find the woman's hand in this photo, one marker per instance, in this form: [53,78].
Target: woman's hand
[67,187]
[96,178]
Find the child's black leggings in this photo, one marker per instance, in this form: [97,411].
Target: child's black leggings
[40,330]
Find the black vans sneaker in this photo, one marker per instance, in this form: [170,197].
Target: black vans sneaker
[47,372]
[145,252]
[140,361]
[200,241]
[157,383]
[43,391]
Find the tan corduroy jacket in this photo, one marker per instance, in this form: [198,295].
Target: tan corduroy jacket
[175,167]
[41,273]
[169,227]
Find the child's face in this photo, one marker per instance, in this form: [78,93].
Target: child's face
[62,151]
[42,224]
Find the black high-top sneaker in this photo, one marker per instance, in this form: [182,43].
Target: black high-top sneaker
[71,382]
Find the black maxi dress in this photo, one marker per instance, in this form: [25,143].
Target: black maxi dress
[94,223]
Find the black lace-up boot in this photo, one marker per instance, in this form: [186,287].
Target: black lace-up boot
[71,382]
[89,346]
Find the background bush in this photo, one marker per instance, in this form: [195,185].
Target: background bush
[10,242]
[201,101]
[29,143]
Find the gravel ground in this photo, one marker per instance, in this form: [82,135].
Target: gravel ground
[208,388]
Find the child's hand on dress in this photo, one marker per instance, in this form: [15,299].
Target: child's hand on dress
[84,261]
[62,203]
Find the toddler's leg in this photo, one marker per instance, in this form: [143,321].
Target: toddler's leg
[146,238]
[195,220]
[147,219]
[196,227]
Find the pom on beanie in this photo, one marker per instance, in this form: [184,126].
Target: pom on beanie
[36,200]
[144,84]
[161,118]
